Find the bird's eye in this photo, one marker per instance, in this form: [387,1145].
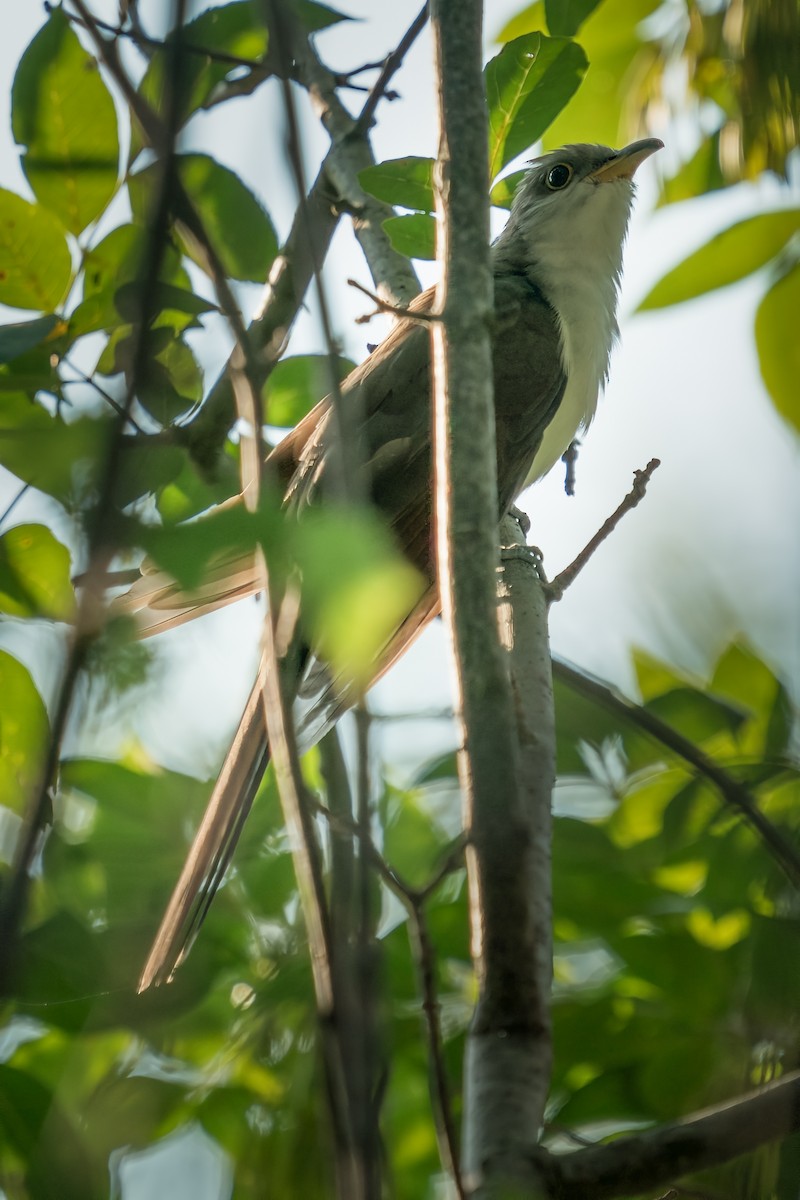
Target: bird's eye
[558,176]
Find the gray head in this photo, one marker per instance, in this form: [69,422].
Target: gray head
[573,201]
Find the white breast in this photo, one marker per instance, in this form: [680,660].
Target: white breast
[577,263]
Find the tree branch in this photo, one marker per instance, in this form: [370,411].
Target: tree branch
[502,1111]
[632,1165]
[557,586]
[732,792]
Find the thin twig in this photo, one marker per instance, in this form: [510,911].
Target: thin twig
[391,65]
[13,504]
[142,39]
[101,391]
[557,587]
[425,958]
[394,310]
[732,792]
[413,900]
[345,467]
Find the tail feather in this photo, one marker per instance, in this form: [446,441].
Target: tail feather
[159,604]
[213,845]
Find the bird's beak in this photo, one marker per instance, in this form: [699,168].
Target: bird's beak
[623,164]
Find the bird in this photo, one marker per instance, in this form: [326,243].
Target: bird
[556,268]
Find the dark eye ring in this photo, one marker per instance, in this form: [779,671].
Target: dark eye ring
[558,176]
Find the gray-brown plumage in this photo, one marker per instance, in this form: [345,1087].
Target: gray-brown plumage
[556,271]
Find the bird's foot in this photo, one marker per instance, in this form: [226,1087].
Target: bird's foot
[529,554]
[521,517]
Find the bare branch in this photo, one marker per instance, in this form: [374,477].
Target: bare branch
[630,1165]
[390,67]
[557,587]
[395,310]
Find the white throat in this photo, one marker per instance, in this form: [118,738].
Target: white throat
[576,260]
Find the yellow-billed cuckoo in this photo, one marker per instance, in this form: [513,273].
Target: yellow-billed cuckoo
[556,269]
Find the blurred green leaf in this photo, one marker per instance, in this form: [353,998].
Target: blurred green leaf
[169,377]
[696,714]
[64,117]
[167,299]
[565,17]
[527,85]
[700,176]
[745,679]
[140,816]
[237,30]
[187,551]
[24,729]
[117,260]
[728,257]
[503,191]
[55,1157]
[778,344]
[48,453]
[414,236]
[25,335]
[36,262]
[316,16]
[297,384]
[188,493]
[407,182]
[413,844]
[356,587]
[234,29]
[35,574]
[234,221]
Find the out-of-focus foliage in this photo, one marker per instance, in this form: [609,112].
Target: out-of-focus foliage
[675,931]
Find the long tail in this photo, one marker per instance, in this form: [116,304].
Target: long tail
[213,845]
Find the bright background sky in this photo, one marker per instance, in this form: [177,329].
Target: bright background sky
[711,553]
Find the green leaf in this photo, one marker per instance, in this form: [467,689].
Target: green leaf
[234,221]
[235,29]
[23,733]
[610,37]
[407,182]
[356,587]
[565,17]
[35,574]
[170,380]
[25,335]
[414,236]
[699,176]
[117,260]
[779,346]
[188,493]
[186,551]
[297,384]
[728,257]
[527,85]
[47,452]
[502,193]
[64,116]
[315,16]
[35,262]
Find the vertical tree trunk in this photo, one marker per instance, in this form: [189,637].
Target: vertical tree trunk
[503,1074]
